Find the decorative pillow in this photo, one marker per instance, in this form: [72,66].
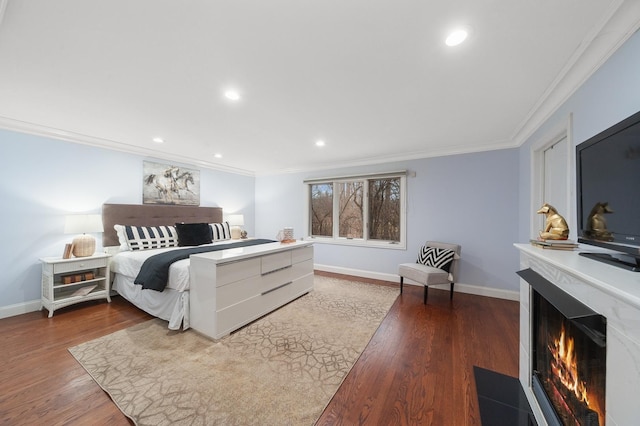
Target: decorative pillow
[221,231]
[150,237]
[122,237]
[193,234]
[436,257]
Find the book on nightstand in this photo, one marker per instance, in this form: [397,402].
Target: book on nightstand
[67,251]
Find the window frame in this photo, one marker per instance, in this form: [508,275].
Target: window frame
[364,241]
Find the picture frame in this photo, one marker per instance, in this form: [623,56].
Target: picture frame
[169,184]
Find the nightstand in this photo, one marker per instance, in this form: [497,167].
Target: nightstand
[69,281]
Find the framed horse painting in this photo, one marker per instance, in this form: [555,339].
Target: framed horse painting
[168,184]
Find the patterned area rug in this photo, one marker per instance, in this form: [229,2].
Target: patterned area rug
[280,370]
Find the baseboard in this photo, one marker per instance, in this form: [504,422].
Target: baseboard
[459,287]
[20,308]
[34,305]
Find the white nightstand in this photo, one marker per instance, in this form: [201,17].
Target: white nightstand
[69,281]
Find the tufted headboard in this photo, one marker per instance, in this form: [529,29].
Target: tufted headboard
[152,215]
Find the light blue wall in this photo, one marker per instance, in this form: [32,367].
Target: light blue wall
[42,180]
[609,96]
[469,199]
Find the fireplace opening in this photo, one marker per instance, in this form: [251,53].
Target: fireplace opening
[569,362]
[568,356]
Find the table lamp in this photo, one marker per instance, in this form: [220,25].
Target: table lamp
[235,222]
[83,245]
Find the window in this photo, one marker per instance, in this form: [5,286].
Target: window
[322,209]
[368,210]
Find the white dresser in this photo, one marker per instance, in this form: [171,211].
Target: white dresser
[231,288]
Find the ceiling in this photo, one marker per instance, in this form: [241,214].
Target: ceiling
[371,78]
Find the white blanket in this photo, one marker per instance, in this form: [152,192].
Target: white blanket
[128,263]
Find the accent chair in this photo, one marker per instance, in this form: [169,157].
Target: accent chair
[437,263]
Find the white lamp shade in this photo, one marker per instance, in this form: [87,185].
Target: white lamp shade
[236,220]
[83,224]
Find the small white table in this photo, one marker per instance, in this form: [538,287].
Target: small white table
[69,281]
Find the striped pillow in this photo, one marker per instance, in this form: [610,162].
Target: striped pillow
[221,231]
[150,237]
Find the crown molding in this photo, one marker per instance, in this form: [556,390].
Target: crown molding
[383,159]
[60,134]
[54,133]
[616,27]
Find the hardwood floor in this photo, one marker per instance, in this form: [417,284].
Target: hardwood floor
[417,369]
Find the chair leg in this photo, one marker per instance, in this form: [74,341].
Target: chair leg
[401,279]
[426,289]
[451,294]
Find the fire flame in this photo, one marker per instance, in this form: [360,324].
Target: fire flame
[564,365]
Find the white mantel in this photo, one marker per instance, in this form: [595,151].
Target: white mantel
[608,290]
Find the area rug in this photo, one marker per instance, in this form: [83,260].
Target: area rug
[280,370]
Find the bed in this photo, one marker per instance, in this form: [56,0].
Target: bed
[172,304]
[232,286]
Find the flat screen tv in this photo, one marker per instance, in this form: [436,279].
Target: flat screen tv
[608,190]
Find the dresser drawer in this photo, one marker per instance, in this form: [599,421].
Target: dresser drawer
[231,294]
[75,266]
[301,269]
[302,254]
[273,262]
[275,279]
[228,273]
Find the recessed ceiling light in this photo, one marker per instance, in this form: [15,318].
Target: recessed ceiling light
[320,143]
[232,95]
[456,37]
[158,140]
[217,155]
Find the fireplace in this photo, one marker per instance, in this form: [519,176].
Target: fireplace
[569,359]
[601,291]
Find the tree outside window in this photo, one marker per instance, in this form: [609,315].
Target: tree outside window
[322,209]
[384,209]
[351,224]
[367,209]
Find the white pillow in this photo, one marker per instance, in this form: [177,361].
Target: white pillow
[122,237]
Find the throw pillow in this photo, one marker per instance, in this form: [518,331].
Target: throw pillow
[193,234]
[150,237]
[436,257]
[221,231]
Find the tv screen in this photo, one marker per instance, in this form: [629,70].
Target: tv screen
[608,188]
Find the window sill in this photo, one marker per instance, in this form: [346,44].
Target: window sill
[358,243]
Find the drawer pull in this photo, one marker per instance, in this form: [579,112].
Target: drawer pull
[276,288]
[276,270]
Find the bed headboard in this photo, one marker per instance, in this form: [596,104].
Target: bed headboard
[152,215]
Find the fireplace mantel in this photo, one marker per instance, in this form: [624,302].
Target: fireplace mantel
[608,290]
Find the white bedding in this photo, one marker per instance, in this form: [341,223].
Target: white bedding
[128,263]
[172,304]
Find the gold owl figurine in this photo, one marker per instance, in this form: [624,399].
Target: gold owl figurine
[556,227]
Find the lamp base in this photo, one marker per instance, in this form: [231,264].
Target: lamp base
[84,245]
[236,232]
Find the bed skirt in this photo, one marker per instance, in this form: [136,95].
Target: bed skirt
[170,305]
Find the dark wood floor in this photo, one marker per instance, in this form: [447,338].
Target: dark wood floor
[417,369]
